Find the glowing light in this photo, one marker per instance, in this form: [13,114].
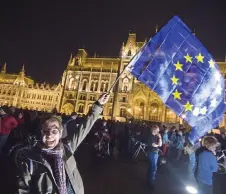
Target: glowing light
[129,109]
[183,116]
[191,189]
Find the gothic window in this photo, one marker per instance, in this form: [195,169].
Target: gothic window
[84,85]
[72,83]
[96,86]
[33,96]
[123,99]
[89,107]
[129,53]
[154,112]
[125,85]
[50,98]
[81,97]
[81,108]
[102,87]
[106,87]
[70,96]
[122,112]
[92,86]
[44,97]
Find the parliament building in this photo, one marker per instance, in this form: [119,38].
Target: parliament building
[84,79]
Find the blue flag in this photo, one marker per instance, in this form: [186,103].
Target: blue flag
[176,65]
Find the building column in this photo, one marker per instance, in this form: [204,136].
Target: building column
[164,114]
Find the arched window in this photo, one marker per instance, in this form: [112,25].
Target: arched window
[92,87]
[102,86]
[81,108]
[129,53]
[122,112]
[71,83]
[125,85]
[89,107]
[106,87]
[95,86]
[84,85]
[154,112]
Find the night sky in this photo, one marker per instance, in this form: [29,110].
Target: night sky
[42,35]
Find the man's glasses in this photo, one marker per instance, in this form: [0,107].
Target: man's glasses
[50,131]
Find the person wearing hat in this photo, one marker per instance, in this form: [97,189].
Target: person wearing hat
[50,167]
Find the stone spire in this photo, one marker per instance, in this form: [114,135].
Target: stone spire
[22,72]
[3,68]
[156,28]
[20,80]
[71,61]
[22,69]
[193,32]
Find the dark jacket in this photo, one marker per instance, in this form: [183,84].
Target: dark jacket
[36,175]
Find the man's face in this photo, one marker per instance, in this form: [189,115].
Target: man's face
[155,131]
[51,134]
[20,116]
[12,109]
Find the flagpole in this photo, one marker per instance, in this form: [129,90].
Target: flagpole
[126,68]
[115,82]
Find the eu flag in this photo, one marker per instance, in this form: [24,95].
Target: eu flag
[176,65]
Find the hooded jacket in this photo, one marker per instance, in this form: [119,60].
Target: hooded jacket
[35,173]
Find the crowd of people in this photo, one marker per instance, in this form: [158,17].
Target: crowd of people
[46,164]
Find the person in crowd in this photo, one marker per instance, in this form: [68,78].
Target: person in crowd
[154,143]
[207,164]
[12,111]
[8,123]
[172,141]
[20,117]
[165,141]
[50,167]
[179,145]
[192,161]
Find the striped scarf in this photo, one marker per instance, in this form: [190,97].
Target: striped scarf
[56,155]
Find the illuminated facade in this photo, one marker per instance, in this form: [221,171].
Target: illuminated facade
[20,91]
[84,79]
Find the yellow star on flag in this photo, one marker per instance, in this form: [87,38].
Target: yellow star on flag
[178,66]
[212,63]
[176,95]
[199,58]
[174,80]
[188,106]
[188,58]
